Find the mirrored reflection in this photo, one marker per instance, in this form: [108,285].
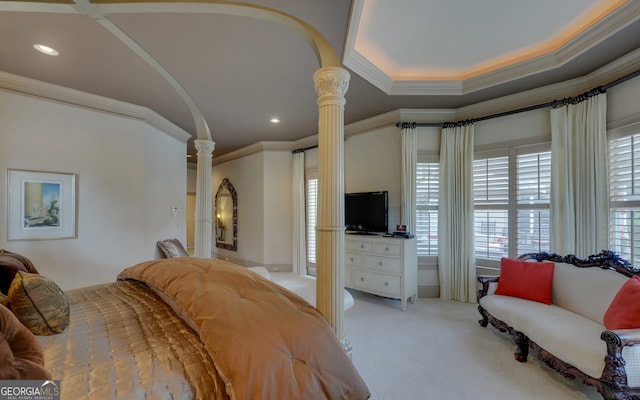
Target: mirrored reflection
[226,216]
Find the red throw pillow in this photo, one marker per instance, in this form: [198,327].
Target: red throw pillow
[624,310]
[527,280]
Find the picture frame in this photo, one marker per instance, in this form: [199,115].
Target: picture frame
[41,205]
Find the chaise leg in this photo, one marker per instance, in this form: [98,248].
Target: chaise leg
[522,349]
[485,318]
[614,376]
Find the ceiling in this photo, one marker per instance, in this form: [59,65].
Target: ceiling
[241,72]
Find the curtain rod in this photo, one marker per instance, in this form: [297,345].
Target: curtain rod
[554,104]
[302,150]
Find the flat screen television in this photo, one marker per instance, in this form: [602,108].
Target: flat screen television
[367,212]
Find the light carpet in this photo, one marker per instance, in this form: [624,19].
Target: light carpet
[436,349]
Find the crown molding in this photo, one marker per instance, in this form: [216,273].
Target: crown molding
[367,70]
[20,6]
[258,147]
[594,34]
[615,70]
[351,58]
[623,66]
[613,22]
[607,26]
[60,94]
[440,88]
[309,141]
[375,122]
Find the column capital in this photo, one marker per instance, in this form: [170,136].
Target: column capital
[204,146]
[331,81]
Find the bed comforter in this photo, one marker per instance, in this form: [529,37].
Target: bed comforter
[197,328]
[265,342]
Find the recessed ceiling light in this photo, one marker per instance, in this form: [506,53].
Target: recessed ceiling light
[275,120]
[50,51]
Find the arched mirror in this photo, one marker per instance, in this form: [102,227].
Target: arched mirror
[226,216]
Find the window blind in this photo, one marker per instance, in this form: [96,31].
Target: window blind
[491,215]
[427,192]
[312,219]
[533,194]
[624,200]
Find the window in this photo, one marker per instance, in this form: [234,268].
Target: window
[509,220]
[312,221]
[533,196]
[427,192]
[624,200]
[491,207]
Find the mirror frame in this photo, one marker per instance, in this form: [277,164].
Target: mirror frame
[226,185]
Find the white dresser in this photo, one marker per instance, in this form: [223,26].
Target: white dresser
[386,266]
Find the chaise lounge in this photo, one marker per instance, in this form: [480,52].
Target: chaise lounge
[581,316]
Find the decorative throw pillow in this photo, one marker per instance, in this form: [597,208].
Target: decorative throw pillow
[624,310]
[527,280]
[171,248]
[39,303]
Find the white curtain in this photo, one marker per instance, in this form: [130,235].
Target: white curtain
[456,263]
[579,178]
[299,226]
[409,160]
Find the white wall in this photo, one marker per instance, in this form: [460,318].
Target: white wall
[622,104]
[278,203]
[373,162]
[527,127]
[262,180]
[246,176]
[128,176]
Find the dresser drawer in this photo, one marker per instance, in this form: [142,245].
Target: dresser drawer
[388,249]
[357,245]
[382,284]
[353,259]
[384,264]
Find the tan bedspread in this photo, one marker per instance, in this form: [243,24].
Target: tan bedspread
[124,342]
[266,342]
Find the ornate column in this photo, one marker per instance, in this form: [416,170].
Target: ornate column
[204,192]
[331,83]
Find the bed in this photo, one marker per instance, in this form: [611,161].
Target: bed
[193,328]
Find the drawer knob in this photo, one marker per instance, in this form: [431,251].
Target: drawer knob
[351,259]
[386,249]
[380,263]
[362,246]
[362,278]
[386,283]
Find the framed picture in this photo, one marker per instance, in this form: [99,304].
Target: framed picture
[40,205]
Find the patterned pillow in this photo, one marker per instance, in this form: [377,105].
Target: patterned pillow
[39,303]
[171,248]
